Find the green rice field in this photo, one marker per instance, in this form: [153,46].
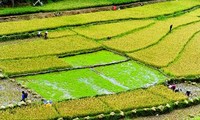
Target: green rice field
[91,82]
[95,58]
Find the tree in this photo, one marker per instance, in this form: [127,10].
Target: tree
[13,3]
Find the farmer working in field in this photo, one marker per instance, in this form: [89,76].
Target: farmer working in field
[173,87]
[188,93]
[170,28]
[45,35]
[24,96]
[39,34]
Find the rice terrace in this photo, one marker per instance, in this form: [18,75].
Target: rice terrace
[100,59]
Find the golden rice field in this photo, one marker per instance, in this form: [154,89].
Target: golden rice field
[137,46]
[32,65]
[145,37]
[168,49]
[138,12]
[137,40]
[29,112]
[170,95]
[82,107]
[112,29]
[43,47]
[188,62]
[60,33]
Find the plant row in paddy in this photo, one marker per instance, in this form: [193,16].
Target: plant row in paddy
[125,101]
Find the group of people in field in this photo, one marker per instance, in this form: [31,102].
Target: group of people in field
[175,89]
[39,34]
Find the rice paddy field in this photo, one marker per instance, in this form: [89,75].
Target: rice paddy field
[102,65]
[94,81]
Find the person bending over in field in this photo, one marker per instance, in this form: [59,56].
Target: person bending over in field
[188,93]
[24,96]
[170,28]
[45,35]
[173,87]
[39,34]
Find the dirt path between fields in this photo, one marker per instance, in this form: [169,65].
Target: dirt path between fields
[73,12]
[10,93]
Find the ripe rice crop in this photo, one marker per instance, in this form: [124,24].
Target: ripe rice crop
[162,8]
[112,29]
[188,64]
[138,12]
[60,33]
[195,13]
[35,55]
[29,112]
[60,5]
[81,107]
[38,24]
[95,58]
[140,98]
[19,66]
[168,49]
[167,93]
[138,39]
[133,99]
[46,47]
[71,4]
[147,36]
